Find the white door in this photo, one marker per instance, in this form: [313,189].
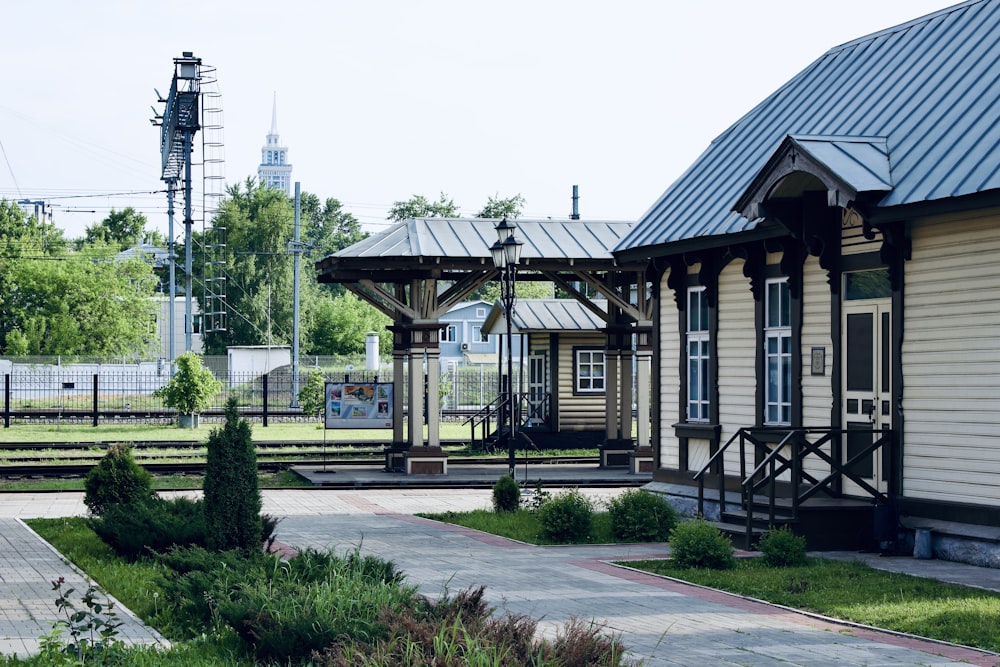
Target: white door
[867,388]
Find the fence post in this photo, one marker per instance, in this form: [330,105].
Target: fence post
[6,400]
[95,398]
[265,399]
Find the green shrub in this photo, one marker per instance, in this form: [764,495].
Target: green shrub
[783,548]
[192,386]
[312,394]
[462,630]
[287,610]
[232,492]
[566,517]
[697,543]
[116,479]
[506,495]
[151,525]
[641,516]
[198,578]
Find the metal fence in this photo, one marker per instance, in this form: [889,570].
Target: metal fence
[107,392]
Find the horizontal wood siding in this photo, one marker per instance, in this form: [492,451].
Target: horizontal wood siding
[852,239]
[817,390]
[737,357]
[669,370]
[583,412]
[951,362]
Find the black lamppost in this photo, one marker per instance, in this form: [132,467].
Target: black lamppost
[506,254]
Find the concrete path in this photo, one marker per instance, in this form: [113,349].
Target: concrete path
[663,622]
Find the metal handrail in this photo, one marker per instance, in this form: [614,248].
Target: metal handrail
[775,462]
[483,417]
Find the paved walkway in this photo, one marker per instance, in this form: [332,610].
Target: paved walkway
[662,622]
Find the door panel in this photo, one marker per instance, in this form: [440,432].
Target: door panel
[537,391]
[867,387]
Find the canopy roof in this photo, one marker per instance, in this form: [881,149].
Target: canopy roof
[446,246]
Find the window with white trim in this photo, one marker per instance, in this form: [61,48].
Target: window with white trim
[451,333]
[778,353]
[698,355]
[589,373]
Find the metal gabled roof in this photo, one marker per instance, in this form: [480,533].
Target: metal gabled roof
[848,167]
[464,243]
[930,87]
[541,315]
[472,237]
[862,162]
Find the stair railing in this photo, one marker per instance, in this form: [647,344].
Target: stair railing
[774,461]
[484,418]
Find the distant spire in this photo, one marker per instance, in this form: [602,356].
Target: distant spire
[274,114]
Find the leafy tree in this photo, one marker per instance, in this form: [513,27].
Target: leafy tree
[84,303]
[495,207]
[341,324]
[312,395]
[524,289]
[231,486]
[327,226]
[191,388]
[122,229]
[259,223]
[419,206]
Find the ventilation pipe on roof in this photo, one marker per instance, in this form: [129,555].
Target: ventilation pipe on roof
[575,215]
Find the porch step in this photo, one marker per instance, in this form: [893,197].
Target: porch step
[737,533]
[758,519]
[734,524]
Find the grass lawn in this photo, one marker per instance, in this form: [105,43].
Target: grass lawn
[522,525]
[858,593]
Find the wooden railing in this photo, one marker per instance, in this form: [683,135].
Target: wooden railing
[780,450]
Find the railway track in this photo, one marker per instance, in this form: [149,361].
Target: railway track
[27,461]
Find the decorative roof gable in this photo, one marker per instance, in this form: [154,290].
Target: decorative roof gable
[847,168]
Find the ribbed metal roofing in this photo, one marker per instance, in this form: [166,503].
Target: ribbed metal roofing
[555,315]
[471,238]
[540,315]
[930,87]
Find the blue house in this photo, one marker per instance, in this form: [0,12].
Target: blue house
[463,339]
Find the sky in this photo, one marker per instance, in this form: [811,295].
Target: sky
[380,100]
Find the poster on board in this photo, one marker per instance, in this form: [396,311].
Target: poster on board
[358,404]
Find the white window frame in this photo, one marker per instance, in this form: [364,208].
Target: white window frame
[589,371]
[451,333]
[777,353]
[698,341]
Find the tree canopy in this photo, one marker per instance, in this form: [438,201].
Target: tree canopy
[419,206]
[259,223]
[54,301]
[122,229]
[509,208]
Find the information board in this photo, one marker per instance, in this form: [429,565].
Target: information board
[358,404]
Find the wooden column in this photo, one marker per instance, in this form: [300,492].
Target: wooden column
[642,458]
[425,457]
